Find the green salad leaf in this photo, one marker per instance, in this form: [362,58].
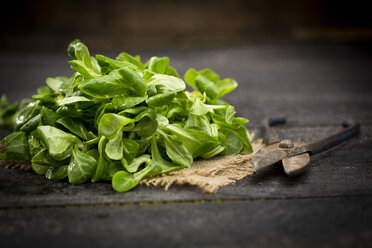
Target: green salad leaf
[122,120]
[7,112]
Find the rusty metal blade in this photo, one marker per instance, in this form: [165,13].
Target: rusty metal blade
[268,156]
[296,165]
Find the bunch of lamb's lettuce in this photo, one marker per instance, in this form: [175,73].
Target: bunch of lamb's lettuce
[121,120]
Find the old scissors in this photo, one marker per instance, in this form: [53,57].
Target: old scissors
[295,156]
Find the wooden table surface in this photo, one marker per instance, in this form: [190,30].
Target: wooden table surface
[316,85]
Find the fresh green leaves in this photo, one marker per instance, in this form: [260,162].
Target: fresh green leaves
[7,112]
[226,86]
[81,168]
[165,83]
[108,65]
[58,143]
[144,159]
[209,82]
[83,63]
[176,151]
[72,100]
[77,127]
[55,84]
[196,142]
[111,124]
[114,148]
[159,164]
[26,114]
[125,102]
[204,85]
[136,61]
[16,147]
[124,82]
[122,120]
[124,181]
[72,47]
[56,173]
[146,123]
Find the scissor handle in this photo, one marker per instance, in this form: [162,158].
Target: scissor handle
[269,134]
[351,128]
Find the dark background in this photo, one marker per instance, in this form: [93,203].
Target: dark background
[111,25]
[310,60]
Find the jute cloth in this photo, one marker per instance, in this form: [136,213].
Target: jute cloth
[210,174]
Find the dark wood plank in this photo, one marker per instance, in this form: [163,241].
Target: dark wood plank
[343,170]
[330,222]
[317,86]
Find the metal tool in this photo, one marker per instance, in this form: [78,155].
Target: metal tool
[295,156]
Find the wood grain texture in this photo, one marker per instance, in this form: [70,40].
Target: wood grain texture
[317,86]
[328,222]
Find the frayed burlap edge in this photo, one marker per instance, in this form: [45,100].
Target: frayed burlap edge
[210,174]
